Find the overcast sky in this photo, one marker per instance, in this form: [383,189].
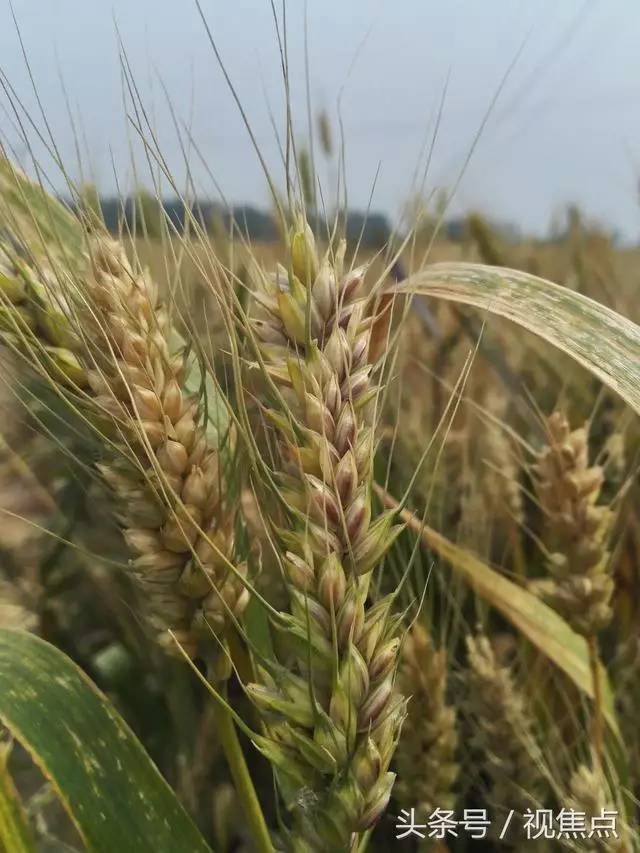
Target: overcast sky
[565,128]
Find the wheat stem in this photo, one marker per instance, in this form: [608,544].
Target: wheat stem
[597,723]
[245,790]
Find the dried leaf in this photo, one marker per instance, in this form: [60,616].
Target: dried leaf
[538,622]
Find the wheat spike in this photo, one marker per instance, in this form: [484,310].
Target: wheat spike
[588,793]
[175,516]
[486,240]
[425,757]
[34,319]
[335,716]
[162,470]
[502,481]
[503,730]
[576,527]
[325,133]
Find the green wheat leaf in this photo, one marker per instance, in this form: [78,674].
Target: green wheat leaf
[106,781]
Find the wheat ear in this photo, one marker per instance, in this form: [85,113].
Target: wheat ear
[162,469]
[576,533]
[175,515]
[627,684]
[503,730]
[34,321]
[333,714]
[425,757]
[588,794]
[501,485]
[576,527]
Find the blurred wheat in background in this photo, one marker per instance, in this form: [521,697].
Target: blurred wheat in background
[316,534]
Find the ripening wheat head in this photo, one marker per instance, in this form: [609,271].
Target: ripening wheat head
[589,794]
[333,714]
[175,514]
[576,527]
[104,340]
[503,730]
[425,758]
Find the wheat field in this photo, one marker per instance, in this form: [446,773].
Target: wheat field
[314,543]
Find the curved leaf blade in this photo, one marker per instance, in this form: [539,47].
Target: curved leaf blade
[106,781]
[604,342]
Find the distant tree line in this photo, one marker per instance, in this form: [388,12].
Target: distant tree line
[143,213]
